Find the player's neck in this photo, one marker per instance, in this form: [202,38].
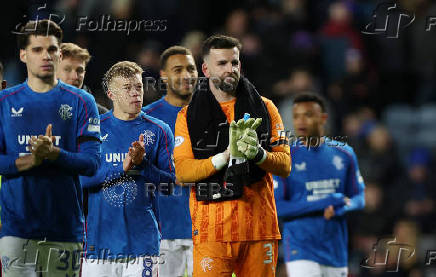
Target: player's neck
[41,85]
[124,116]
[175,100]
[220,96]
[313,140]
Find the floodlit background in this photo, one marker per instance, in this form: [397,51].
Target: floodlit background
[381,91]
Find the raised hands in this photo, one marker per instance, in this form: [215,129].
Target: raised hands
[243,138]
[136,154]
[42,147]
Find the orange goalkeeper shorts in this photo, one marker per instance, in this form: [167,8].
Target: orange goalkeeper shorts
[245,258]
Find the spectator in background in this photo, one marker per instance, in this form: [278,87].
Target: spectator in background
[299,81]
[337,36]
[363,236]
[379,161]
[2,82]
[237,24]
[414,193]
[149,59]
[354,90]
[72,68]
[194,41]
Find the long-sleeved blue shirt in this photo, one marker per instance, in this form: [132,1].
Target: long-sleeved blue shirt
[320,177]
[46,201]
[174,212]
[123,213]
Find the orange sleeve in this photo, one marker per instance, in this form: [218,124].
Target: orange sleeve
[188,169]
[278,161]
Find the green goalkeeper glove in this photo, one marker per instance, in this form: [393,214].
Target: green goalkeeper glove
[236,131]
[249,142]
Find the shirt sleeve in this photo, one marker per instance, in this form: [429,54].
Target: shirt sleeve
[88,118]
[86,159]
[105,173]
[278,161]
[162,173]
[7,162]
[188,169]
[288,209]
[85,162]
[355,186]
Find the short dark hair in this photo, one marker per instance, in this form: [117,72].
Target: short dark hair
[311,97]
[38,28]
[173,50]
[220,42]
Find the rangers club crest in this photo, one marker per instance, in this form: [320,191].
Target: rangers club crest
[206,264]
[65,111]
[149,137]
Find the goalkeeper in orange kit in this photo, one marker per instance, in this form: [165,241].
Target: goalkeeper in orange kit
[234,219]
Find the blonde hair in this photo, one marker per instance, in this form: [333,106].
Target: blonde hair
[74,51]
[120,69]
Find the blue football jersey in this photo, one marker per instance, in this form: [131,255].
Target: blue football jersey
[46,201]
[174,212]
[320,177]
[123,211]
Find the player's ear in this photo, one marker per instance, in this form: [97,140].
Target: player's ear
[23,57]
[110,95]
[163,76]
[324,117]
[205,69]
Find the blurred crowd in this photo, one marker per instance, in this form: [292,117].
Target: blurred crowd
[381,91]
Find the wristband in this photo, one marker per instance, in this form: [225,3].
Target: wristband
[260,156]
[219,161]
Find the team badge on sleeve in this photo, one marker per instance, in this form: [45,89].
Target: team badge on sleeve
[178,141]
[94,124]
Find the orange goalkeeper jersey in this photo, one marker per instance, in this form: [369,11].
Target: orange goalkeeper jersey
[251,217]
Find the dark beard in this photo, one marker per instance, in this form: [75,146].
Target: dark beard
[228,87]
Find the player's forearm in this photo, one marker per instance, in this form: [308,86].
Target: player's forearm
[356,202]
[194,170]
[297,208]
[9,164]
[155,175]
[85,162]
[105,173]
[289,209]
[277,163]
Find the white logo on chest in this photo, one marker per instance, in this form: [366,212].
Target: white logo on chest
[300,166]
[15,113]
